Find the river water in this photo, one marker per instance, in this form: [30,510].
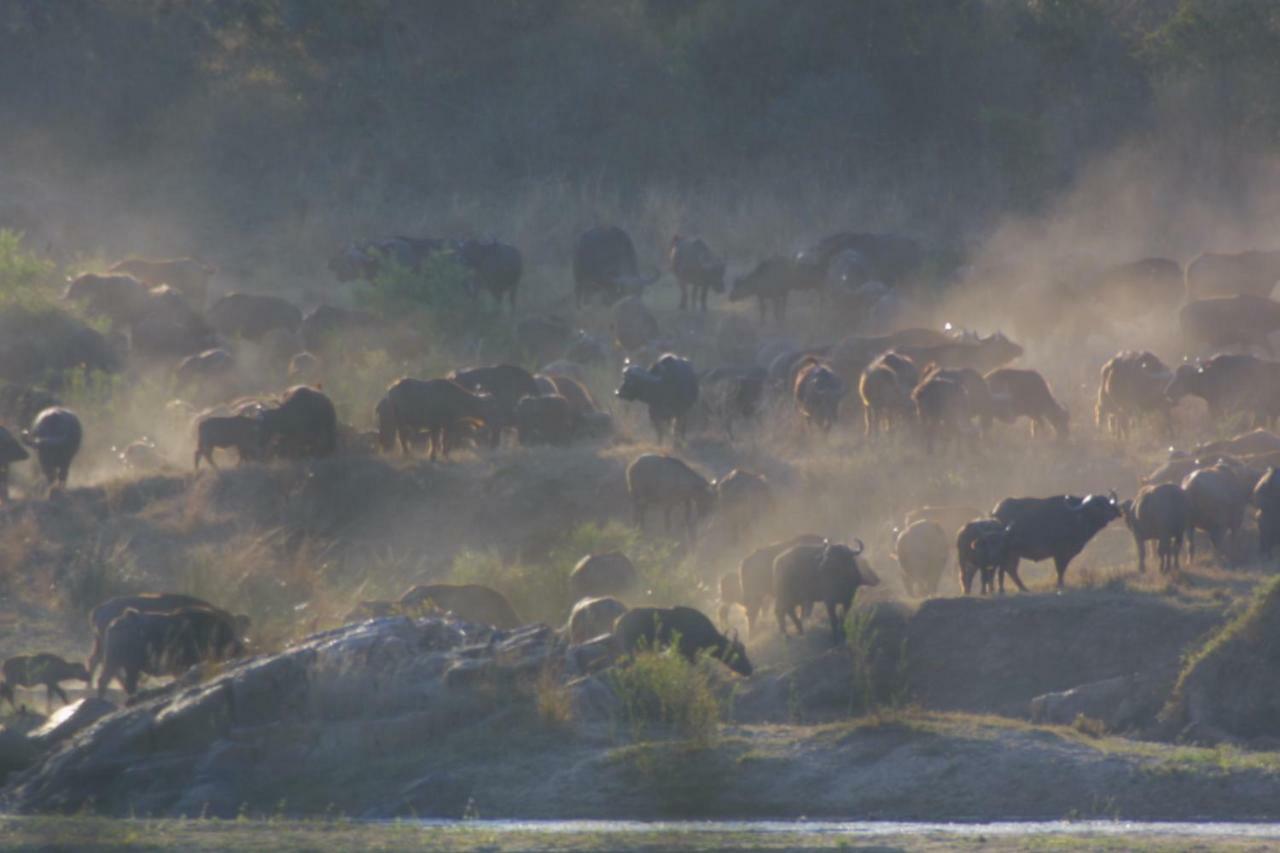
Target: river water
[817,828]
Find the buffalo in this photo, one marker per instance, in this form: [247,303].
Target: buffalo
[818,392]
[1244,273]
[37,670]
[190,276]
[469,602]
[303,424]
[507,383]
[1025,393]
[495,267]
[119,298]
[604,263]
[1054,528]
[252,315]
[611,573]
[885,389]
[942,408]
[730,394]
[1216,499]
[592,617]
[890,258]
[770,283]
[439,408]
[669,388]
[689,630]
[979,403]
[1133,385]
[1266,497]
[696,269]
[544,419]
[755,574]
[1161,514]
[805,574]
[1229,321]
[668,483]
[1228,384]
[980,550]
[1132,290]
[242,433]
[921,551]
[148,602]
[56,435]
[137,643]
[982,354]
[212,365]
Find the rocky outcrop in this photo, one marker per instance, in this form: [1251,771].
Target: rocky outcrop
[997,654]
[1230,690]
[353,695]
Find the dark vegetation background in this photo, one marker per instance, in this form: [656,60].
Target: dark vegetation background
[153,125]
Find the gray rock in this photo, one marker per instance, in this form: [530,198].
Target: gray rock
[70,720]
[593,700]
[17,751]
[591,656]
[1122,703]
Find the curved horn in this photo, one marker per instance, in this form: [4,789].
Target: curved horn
[861,547]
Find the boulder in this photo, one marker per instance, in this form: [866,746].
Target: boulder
[70,720]
[1123,703]
[347,698]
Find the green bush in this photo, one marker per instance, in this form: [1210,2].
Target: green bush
[664,693]
[25,278]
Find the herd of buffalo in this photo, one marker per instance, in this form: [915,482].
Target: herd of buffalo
[944,389]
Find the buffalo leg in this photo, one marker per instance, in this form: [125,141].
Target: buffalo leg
[1060,564]
[833,614]
[684,295]
[1142,555]
[1012,570]
[50,690]
[659,427]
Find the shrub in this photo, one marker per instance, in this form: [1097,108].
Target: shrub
[25,278]
[877,659]
[661,689]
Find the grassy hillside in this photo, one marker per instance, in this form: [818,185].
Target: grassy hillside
[227,127]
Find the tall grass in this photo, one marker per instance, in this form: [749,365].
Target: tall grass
[664,694]
[26,279]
